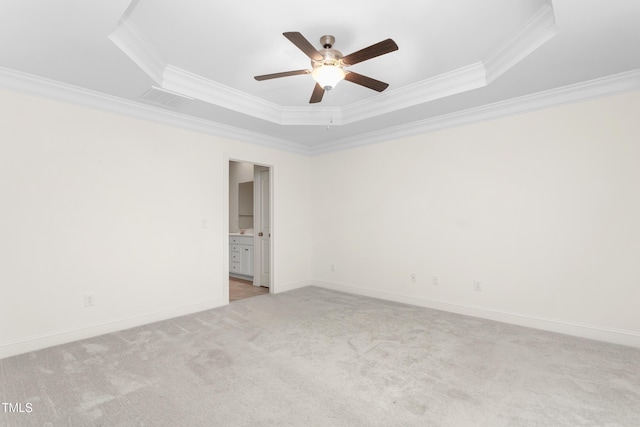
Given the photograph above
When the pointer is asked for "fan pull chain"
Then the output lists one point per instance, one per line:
(328, 98)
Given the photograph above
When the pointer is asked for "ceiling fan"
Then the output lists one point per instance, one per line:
(328, 65)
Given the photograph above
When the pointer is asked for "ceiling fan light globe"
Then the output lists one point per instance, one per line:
(328, 76)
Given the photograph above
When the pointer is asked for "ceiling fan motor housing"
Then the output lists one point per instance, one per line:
(330, 56)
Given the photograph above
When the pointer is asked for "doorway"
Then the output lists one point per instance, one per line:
(250, 229)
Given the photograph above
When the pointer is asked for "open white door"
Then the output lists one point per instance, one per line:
(262, 224)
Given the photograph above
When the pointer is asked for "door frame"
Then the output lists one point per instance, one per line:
(225, 218)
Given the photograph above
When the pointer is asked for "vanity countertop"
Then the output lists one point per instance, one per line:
(238, 234)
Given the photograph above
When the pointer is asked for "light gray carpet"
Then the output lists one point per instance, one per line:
(314, 357)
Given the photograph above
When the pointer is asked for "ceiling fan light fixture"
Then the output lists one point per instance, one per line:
(328, 76)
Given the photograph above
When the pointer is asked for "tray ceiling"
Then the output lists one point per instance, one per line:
(192, 63)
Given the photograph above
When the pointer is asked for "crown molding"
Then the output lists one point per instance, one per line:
(195, 86)
(597, 88)
(532, 34)
(443, 85)
(129, 40)
(46, 88)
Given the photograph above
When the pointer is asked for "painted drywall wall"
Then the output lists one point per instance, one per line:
(128, 211)
(238, 172)
(541, 208)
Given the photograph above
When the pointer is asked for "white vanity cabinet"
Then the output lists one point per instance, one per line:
(241, 256)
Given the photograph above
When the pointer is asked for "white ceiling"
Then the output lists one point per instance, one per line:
(458, 61)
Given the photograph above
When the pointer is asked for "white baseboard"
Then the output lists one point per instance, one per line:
(284, 287)
(62, 337)
(586, 331)
(598, 333)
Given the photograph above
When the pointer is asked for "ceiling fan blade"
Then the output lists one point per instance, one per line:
(385, 46)
(318, 93)
(284, 74)
(304, 45)
(366, 81)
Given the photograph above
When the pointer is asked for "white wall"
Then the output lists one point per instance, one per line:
(130, 211)
(542, 208)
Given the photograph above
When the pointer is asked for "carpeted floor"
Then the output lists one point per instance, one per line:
(315, 357)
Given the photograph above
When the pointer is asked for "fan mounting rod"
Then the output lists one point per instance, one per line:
(327, 41)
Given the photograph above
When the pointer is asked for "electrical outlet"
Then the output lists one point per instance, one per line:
(413, 277)
(436, 280)
(89, 300)
(333, 267)
(476, 286)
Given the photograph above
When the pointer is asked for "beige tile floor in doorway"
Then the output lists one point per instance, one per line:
(241, 289)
